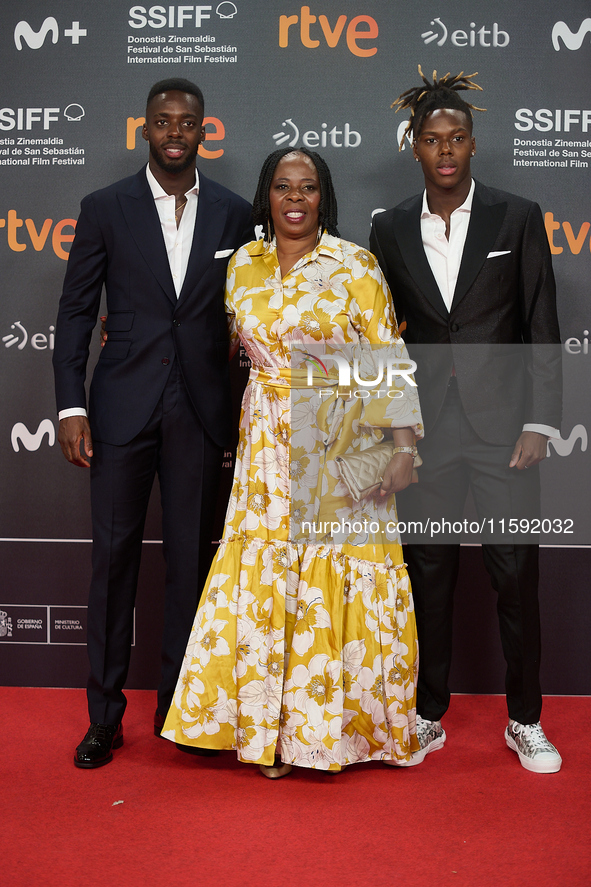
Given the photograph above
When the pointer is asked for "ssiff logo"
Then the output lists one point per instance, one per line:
(226, 9)
(26, 118)
(498, 38)
(5, 625)
(177, 16)
(335, 137)
(23, 32)
(572, 40)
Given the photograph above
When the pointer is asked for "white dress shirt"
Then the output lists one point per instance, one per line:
(178, 241)
(445, 256)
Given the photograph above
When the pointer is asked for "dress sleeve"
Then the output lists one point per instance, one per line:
(371, 309)
(395, 402)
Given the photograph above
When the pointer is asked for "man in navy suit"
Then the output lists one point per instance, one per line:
(471, 274)
(160, 242)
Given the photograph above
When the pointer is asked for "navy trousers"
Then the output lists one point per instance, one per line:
(174, 446)
(457, 460)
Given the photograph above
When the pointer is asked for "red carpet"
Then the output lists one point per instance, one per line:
(469, 816)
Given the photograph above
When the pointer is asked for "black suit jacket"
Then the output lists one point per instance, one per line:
(119, 243)
(501, 333)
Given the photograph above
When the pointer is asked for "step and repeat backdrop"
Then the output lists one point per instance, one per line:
(74, 79)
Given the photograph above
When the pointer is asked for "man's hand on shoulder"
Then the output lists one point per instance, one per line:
(530, 449)
(71, 431)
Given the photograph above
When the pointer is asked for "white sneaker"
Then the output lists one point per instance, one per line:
(535, 752)
(431, 736)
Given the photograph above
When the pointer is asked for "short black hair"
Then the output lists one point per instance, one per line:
(176, 84)
(327, 211)
(428, 97)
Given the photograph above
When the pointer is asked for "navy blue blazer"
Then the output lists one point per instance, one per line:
(119, 243)
(505, 297)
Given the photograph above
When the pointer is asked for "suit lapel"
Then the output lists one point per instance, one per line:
(486, 219)
(407, 225)
(143, 221)
(209, 226)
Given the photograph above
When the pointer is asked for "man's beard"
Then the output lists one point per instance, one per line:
(173, 166)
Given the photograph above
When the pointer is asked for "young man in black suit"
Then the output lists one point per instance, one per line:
(470, 267)
(160, 242)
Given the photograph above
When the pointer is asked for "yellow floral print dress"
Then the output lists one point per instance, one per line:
(304, 650)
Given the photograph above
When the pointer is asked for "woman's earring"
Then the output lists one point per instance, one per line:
(269, 238)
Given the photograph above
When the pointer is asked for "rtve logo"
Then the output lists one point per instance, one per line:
(216, 134)
(571, 40)
(37, 237)
(24, 33)
(575, 242)
(32, 441)
(290, 136)
(486, 36)
(361, 27)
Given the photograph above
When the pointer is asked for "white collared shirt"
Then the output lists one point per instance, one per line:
(178, 241)
(445, 257)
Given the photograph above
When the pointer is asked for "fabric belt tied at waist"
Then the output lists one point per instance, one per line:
(286, 378)
(331, 411)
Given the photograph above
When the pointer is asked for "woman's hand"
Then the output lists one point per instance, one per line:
(399, 471)
(398, 474)
(104, 333)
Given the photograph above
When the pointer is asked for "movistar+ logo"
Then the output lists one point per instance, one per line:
(24, 33)
(572, 40)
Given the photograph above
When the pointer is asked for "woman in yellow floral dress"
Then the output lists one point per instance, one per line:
(304, 648)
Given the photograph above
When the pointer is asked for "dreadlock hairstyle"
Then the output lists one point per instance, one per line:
(442, 93)
(261, 207)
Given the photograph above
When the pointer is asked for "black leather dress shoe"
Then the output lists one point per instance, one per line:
(96, 749)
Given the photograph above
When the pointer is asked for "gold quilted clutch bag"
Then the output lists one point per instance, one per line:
(362, 472)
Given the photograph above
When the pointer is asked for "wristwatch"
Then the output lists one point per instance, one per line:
(412, 451)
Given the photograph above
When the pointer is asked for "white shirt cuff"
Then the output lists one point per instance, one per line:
(71, 411)
(542, 429)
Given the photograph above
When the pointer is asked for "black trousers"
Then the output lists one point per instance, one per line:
(175, 446)
(457, 460)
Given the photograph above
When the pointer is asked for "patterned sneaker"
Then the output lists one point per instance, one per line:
(535, 752)
(431, 736)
